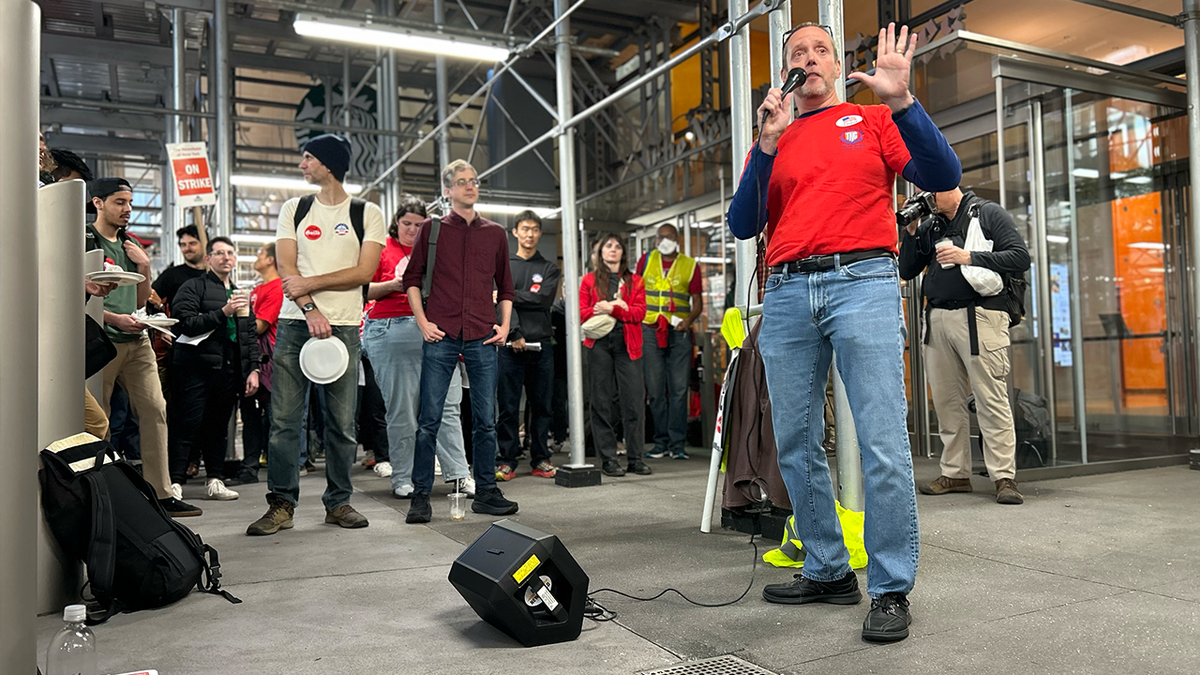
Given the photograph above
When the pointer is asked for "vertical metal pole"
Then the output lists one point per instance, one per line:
(849, 466)
(570, 238)
(741, 124)
(1045, 326)
(779, 22)
(439, 18)
(20, 45)
(347, 87)
(176, 126)
(722, 227)
(1001, 175)
(1076, 288)
(829, 13)
(224, 104)
(1191, 47)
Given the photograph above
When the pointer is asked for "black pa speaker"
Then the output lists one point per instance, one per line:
(523, 582)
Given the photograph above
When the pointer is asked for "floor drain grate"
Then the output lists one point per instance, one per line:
(720, 665)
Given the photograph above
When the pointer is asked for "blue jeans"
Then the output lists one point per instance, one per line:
(855, 311)
(394, 348)
(439, 363)
(289, 392)
(533, 372)
(666, 371)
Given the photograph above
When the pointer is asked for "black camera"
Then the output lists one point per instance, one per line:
(915, 208)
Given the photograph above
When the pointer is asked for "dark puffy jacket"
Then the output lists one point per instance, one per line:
(197, 304)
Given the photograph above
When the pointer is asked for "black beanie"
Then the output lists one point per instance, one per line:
(332, 151)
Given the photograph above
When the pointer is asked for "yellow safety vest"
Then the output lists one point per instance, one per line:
(662, 291)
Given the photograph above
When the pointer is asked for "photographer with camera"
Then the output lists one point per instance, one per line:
(826, 182)
(966, 330)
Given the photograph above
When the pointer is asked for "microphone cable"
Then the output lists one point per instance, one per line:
(599, 613)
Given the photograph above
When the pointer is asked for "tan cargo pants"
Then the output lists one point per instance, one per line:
(953, 374)
(137, 371)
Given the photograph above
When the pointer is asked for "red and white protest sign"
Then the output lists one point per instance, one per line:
(193, 182)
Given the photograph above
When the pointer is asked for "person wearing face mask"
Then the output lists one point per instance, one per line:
(966, 336)
(822, 186)
(674, 300)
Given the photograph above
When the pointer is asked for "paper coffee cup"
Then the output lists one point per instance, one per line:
(944, 242)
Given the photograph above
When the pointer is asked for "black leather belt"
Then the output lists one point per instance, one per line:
(824, 263)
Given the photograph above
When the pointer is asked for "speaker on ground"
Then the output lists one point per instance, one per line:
(523, 582)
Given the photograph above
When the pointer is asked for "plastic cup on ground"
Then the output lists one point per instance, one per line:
(458, 505)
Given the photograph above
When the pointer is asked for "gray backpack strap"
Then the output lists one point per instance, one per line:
(435, 226)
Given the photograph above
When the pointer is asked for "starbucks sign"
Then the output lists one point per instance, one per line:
(363, 115)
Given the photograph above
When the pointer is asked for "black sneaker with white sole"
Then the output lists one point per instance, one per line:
(888, 619)
(493, 503)
(802, 590)
(179, 509)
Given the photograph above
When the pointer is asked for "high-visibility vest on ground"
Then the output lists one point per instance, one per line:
(668, 294)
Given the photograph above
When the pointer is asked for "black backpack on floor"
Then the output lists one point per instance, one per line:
(103, 513)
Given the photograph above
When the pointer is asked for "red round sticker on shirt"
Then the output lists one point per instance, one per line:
(535, 288)
(312, 232)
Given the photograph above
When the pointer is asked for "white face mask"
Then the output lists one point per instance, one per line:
(668, 246)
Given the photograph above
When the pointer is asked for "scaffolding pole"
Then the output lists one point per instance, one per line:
(1191, 46)
(224, 110)
(570, 242)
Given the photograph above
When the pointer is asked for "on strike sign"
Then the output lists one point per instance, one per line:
(193, 182)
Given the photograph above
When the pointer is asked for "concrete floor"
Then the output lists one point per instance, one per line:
(1092, 575)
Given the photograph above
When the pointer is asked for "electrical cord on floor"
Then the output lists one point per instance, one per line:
(599, 613)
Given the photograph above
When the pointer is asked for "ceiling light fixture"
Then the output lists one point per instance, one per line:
(398, 37)
(511, 210)
(282, 183)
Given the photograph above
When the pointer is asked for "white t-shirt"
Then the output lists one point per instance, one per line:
(326, 244)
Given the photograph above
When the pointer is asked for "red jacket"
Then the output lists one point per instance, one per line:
(633, 294)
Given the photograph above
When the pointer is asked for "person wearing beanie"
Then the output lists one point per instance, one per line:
(326, 249)
(333, 152)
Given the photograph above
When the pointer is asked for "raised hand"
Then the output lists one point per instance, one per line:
(893, 64)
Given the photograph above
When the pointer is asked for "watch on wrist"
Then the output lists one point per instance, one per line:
(307, 307)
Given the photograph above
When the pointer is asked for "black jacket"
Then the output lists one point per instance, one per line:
(535, 287)
(197, 305)
(1008, 256)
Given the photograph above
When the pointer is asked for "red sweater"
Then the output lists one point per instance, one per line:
(633, 294)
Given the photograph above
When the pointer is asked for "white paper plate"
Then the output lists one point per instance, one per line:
(159, 321)
(118, 278)
(324, 360)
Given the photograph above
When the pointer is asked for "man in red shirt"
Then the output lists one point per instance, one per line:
(266, 300)
(393, 344)
(828, 178)
(460, 319)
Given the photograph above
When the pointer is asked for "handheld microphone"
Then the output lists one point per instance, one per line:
(795, 77)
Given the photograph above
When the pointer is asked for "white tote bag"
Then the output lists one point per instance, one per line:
(985, 282)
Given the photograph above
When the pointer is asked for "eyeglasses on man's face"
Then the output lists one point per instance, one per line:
(464, 182)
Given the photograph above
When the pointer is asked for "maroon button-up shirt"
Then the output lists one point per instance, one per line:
(472, 259)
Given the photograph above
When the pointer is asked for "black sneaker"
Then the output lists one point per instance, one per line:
(420, 511)
(611, 468)
(639, 467)
(802, 590)
(179, 509)
(888, 619)
(493, 503)
(244, 477)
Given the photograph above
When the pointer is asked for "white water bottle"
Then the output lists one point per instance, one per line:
(73, 649)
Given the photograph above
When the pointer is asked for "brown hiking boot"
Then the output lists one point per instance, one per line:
(346, 516)
(278, 517)
(945, 484)
(1007, 493)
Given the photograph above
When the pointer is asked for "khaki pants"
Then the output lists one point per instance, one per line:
(135, 368)
(95, 422)
(953, 373)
